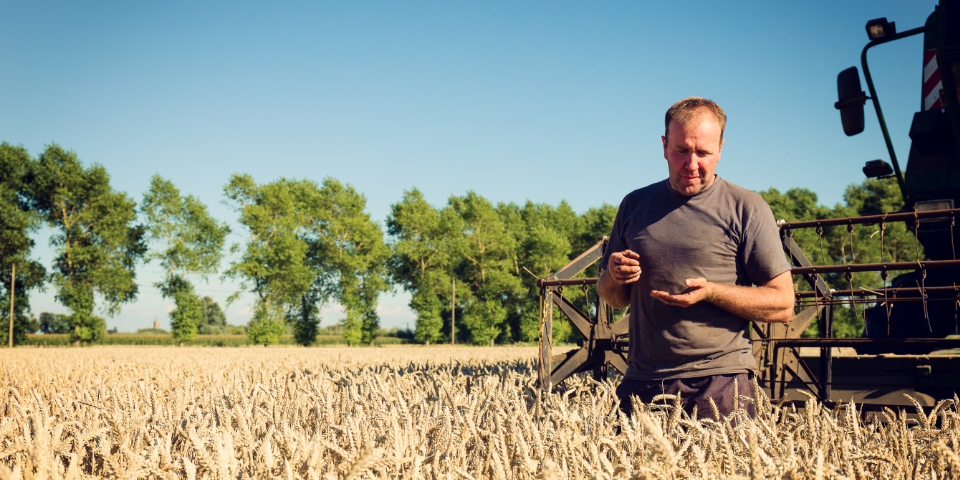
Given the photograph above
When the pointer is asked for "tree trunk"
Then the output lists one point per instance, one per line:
(181, 343)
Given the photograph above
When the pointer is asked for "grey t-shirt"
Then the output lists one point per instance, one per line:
(725, 234)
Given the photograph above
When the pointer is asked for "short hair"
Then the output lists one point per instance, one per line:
(690, 108)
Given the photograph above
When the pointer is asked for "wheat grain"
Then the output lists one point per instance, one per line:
(417, 413)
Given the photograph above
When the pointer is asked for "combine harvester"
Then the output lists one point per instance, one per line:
(909, 333)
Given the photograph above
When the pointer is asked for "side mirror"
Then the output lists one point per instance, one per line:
(877, 169)
(851, 99)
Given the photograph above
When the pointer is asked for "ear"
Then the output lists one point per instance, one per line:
(664, 139)
(722, 140)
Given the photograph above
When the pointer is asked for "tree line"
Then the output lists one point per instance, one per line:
(213, 321)
(838, 245)
(470, 265)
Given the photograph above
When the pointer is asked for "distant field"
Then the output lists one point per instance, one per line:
(411, 412)
(60, 340)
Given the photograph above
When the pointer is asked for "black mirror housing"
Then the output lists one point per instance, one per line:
(877, 169)
(851, 99)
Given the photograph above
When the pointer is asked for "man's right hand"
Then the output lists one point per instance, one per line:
(624, 267)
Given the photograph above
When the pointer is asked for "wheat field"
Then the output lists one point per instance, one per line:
(401, 412)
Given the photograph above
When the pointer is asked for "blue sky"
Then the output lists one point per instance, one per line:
(515, 100)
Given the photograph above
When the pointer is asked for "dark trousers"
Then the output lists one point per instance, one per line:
(693, 392)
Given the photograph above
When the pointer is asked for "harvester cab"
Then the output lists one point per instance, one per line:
(932, 177)
(931, 181)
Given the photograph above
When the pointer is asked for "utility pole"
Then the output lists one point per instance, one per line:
(13, 290)
(453, 313)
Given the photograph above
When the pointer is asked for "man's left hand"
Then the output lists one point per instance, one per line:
(697, 289)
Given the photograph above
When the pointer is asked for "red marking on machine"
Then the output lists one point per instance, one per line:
(932, 85)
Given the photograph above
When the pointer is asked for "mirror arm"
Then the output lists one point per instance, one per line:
(862, 99)
(876, 101)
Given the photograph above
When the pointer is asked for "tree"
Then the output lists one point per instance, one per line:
(425, 243)
(487, 268)
(486, 250)
(186, 316)
(191, 242)
(264, 329)
(306, 328)
(593, 225)
(799, 204)
(838, 245)
(17, 221)
(214, 321)
(97, 243)
(541, 234)
(34, 325)
(347, 255)
(54, 323)
(273, 264)
(863, 245)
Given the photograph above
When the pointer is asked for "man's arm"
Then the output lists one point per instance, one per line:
(614, 282)
(770, 302)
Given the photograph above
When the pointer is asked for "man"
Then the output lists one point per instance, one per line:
(684, 254)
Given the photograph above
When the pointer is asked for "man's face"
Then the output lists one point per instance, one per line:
(692, 152)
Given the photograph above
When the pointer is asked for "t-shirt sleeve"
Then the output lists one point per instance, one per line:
(763, 255)
(616, 242)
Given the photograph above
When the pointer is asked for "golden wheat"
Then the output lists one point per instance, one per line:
(438, 412)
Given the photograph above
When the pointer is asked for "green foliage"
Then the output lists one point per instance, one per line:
(191, 243)
(264, 329)
(164, 339)
(186, 316)
(429, 319)
(33, 326)
(192, 240)
(273, 263)
(799, 204)
(483, 320)
(543, 235)
(97, 243)
(422, 258)
(347, 254)
(21, 326)
(594, 224)
(152, 331)
(487, 268)
(214, 321)
(839, 245)
(309, 243)
(17, 221)
(84, 325)
(307, 325)
(54, 323)
(487, 251)
(352, 329)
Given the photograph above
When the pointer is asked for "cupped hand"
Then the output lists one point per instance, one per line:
(697, 290)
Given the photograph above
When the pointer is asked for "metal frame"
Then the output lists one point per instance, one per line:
(604, 340)
(775, 346)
